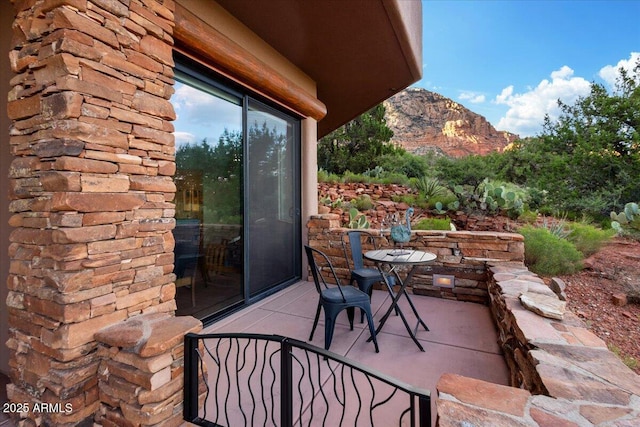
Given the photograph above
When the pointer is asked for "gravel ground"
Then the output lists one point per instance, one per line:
(614, 270)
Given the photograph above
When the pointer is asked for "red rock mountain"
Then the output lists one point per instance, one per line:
(424, 121)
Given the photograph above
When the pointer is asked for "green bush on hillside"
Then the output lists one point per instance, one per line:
(362, 203)
(587, 238)
(433, 224)
(324, 176)
(549, 255)
(415, 200)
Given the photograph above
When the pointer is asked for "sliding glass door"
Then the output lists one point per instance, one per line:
(273, 205)
(237, 234)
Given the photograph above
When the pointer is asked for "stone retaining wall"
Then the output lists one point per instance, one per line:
(335, 197)
(564, 374)
(561, 373)
(463, 254)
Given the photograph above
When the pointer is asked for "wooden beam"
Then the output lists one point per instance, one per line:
(205, 42)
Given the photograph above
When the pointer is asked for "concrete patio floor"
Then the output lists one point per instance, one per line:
(462, 338)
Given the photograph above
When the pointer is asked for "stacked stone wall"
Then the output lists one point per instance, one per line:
(561, 373)
(91, 191)
(387, 199)
(462, 254)
(141, 376)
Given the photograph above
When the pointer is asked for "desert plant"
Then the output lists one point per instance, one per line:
(430, 187)
(587, 238)
(503, 197)
(357, 220)
(362, 203)
(376, 172)
(440, 208)
(326, 201)
(324, 176)
(433, 224)
(627, 222)
(558, 227)
(547, 254)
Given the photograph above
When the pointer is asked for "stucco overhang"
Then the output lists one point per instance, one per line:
(359, 52)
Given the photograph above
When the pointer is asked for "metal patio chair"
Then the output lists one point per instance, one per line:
(335, 298)
(365, 277)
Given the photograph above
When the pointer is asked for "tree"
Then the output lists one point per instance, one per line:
(589, 159)
(216, 171)
(356, 145)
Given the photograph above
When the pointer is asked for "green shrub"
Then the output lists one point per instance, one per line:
(324, 176)
(547, 254)
(350, 177)
(362, 203)
(433, 224)
(406, 164)
(587, 238)
(414, 200)
(394, 178)
(528, 216)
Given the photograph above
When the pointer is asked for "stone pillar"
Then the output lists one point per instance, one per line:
(91, 191)
(141, 373)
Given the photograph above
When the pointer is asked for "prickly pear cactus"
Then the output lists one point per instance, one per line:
(357, 220)
(627, 222)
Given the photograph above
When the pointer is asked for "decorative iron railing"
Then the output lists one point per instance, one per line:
(270, 380)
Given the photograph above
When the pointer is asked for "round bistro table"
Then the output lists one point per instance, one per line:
(395, 258)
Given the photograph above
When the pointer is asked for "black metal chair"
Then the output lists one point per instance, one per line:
(188, 236)
(365, 277)
(334, 299)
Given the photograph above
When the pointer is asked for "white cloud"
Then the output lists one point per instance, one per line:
(504, 95)
(472, 97)
(198, 107)
(563, 73)
(201, 115)
(527, 110)
(610, 73)
(184, 138)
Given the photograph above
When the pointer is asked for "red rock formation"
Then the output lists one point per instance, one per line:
(424, 121)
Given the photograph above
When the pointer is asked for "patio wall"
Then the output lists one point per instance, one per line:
(561, 373)
(463, 254)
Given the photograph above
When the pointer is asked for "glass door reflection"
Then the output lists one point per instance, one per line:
(209, 205)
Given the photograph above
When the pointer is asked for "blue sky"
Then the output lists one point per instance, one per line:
(511, 60)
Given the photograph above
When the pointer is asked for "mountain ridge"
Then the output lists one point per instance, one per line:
(423, 121)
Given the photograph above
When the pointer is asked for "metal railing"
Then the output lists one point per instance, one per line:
(270, 380)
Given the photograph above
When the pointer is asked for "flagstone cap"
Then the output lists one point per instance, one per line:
(149, 334)
(544, 305)
(562, 373)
